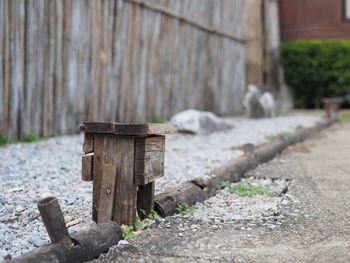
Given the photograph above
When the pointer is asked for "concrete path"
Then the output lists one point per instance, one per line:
(317, 229)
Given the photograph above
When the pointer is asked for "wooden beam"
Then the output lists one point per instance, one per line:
(87, 167)
(145, 199)
(105, 210)
(124, 211)
(127, 128)
(149, 159)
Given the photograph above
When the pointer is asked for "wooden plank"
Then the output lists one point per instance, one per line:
(88, 145)
(145, 199)
(97, 127)
(97, 173)
(149, 159)
(127, 128)
(87, 164)
(105, 210)
(125, 188)
(59, 123)
(2, 27)
(6, 65)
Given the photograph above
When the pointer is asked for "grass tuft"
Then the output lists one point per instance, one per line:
(344, 116)
(28, 138)
(244, 188)
(271, 137)
(128, 231)
(31, 137)
(184, 209)
(158, 119)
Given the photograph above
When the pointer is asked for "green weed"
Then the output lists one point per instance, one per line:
(244, 188)
(5, 141)
(128, 231)
(151, 215)
(184, 209)
(271, 137)
(138, 224)
(31, 137)
(28, 138)
(344, 116)
(158, 119)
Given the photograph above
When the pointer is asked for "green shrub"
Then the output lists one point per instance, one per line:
(3, 139)
(315, 69)
(31, 137)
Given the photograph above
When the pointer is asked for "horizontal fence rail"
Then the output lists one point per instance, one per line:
(65, 61)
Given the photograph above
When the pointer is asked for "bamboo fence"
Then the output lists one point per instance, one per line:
(65, 61)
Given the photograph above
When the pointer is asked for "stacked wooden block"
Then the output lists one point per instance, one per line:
(331, 106)
(123, 161)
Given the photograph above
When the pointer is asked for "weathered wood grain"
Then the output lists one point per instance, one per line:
(88, 145)
(127, 128)
(97, 173)
(145, 199)
(93, 241)
(149, 159)
(107, 193)
(52, 216)
(118, 60)
(125, 188)
(87, 163)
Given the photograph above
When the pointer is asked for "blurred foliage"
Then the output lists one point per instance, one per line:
(28, 138)
(315, 69)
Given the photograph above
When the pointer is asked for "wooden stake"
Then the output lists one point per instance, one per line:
(145, 199)
(54, 222)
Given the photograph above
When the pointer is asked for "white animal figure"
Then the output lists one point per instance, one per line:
(259, 102)
(199, 122)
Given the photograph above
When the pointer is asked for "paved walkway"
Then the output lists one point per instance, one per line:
(318, 231)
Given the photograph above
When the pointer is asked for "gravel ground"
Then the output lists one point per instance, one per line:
(226, 209)
(29, 171)
(227, 206)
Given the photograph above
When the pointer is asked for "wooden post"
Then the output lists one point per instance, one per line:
(54, 222)
(145, 199)
(123, 161)
(331, 106)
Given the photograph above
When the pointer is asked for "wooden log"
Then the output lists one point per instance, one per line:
(149, 159)
(187, 192)
(87, 167)
(249, 149)
(268, 151)
(54, 222)
(233, 171)
(88, 244)
(145, 199)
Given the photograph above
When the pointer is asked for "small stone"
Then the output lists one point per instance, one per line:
(180, 235)
(20, 209)
(123, 242)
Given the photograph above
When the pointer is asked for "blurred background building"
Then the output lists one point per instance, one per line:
(310, 19)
